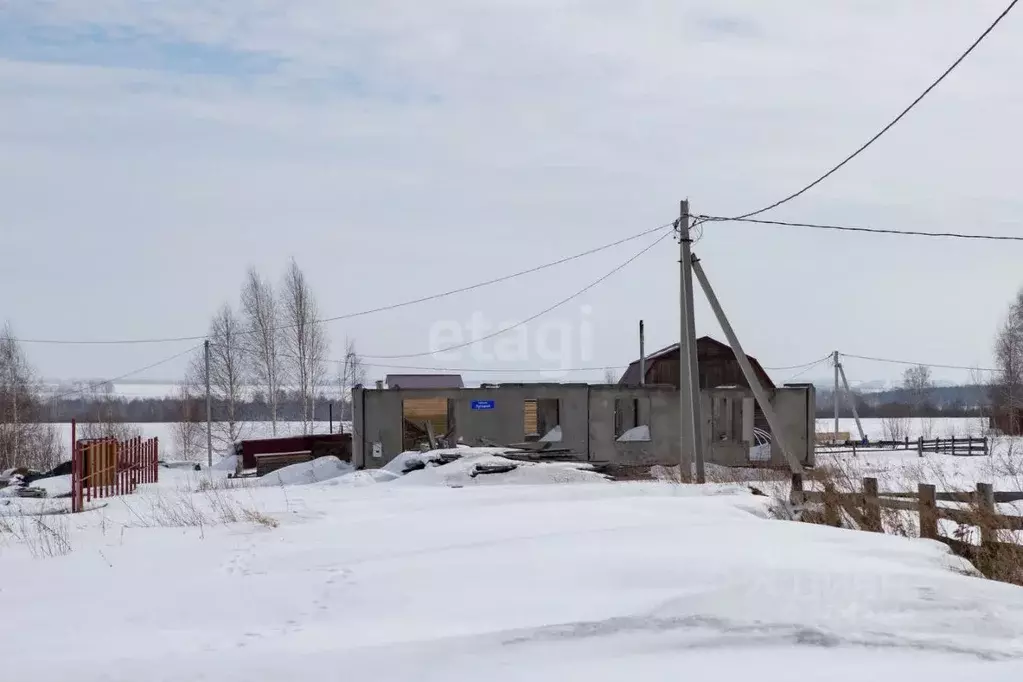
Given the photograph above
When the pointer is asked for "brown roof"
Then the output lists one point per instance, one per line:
(424, 381)
(631, 375)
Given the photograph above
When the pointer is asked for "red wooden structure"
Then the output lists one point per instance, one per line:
(105, 467)
(300, 448)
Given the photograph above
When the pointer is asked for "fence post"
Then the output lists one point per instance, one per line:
(76, 478)
(953, 446)
(156, 460)
(90, 461)
(796, 497)
(986, 452)
(122, 446)
(907, 442)
(928, 504)
(986, 503)
(832, 509)
(919, 446)
(871, 505)
(854, 448)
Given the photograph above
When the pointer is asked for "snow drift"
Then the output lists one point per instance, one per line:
(320, 469)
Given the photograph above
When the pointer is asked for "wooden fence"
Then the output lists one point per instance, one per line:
(106, 467)
(959, 447)
(865, 509)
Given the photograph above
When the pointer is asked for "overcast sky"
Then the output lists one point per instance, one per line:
(152, 151)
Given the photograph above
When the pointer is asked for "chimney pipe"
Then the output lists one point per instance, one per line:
(380, 385)
(642, 356)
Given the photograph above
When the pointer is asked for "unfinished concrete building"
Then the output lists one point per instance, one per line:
(615, 424)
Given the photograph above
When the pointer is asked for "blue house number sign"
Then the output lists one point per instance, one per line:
(482, 404)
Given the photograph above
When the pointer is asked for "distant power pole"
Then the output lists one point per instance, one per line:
(834, 359)
(209, 407)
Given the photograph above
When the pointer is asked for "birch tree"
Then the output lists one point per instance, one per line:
(228, 360)
(261, 317)
(1007, 385)
(304, 340)
(351, 373)
(24, 439)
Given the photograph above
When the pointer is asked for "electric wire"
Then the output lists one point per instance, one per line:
(915, 362)
(807, 369)
(529, 319)
(870, 230)
(805, 364)
(94, 385)
(370, 311)
(892, 123)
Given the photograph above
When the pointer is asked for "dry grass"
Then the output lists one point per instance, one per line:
(45, 536)
(258, 517)
(208, 483)
(1001, 560)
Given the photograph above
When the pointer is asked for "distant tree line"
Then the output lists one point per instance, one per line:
(290, 408)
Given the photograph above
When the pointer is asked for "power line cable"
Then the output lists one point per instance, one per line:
(892, 123)
(370, 311)
(477, 370)
(915, 362)
(531, 317)
(807, 369)
(95, 385)
(870, 230)
(805, 364)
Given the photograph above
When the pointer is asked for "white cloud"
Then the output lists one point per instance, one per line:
(495, 135)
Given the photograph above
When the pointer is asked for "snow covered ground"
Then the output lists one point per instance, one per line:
(434, 575)
(915, 427)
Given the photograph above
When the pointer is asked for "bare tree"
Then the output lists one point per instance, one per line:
(352, 373)
(189, 432)
(261, 313)
(105, 418)
(304, 340)
(917, 382)
(610, 376)
(228, 340)
(24, 439)
(1007, 385)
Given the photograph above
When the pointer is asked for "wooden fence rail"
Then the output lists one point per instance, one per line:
(865, 507)
(107, 467)
(959, 447)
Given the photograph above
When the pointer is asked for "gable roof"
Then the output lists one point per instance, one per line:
(424, 381)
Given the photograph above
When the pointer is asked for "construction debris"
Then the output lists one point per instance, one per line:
(495, 468)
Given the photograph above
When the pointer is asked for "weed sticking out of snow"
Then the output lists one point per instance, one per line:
(44, 535)
(258, 517)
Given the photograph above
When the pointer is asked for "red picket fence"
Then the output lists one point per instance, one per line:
(105, 467)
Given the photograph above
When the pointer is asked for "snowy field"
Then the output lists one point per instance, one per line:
(874, 428)
(548, 572)
(170, 447)
(914, 427)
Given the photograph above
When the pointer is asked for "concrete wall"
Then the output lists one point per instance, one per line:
(658, 409)
(378, 416)
(586, 418)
